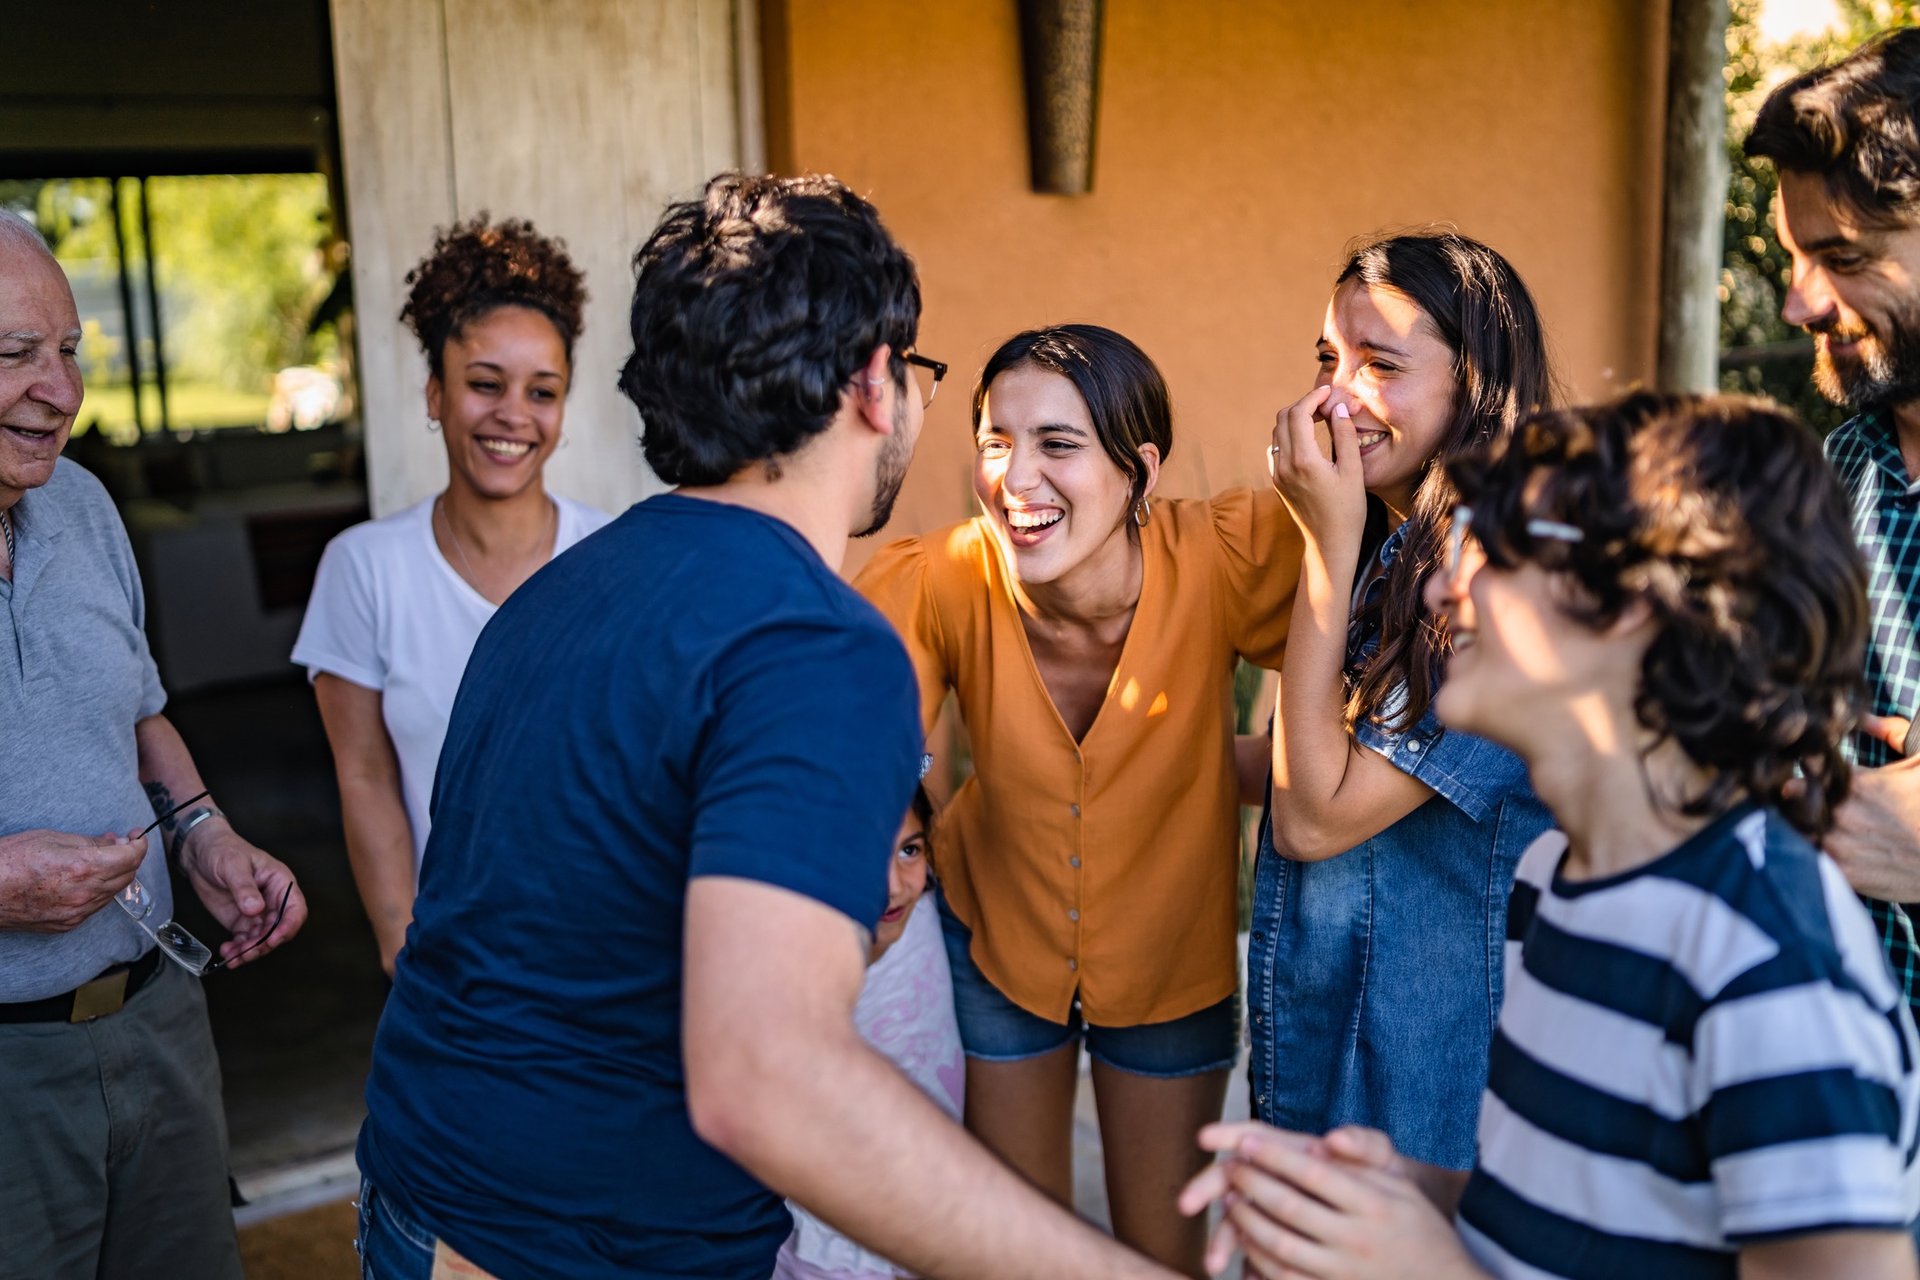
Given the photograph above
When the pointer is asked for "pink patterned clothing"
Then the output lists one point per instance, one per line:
(905, 1012)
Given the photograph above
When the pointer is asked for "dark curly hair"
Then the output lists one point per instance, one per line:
(1482, 310)
(1855, 123)
(1125, 395)
(752, 308)
(1720, 514)
(478, 266)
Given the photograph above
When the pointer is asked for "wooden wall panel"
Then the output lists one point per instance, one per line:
(391, 69)
(587, 118)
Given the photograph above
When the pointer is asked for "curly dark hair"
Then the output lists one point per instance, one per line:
(1721, 515)
(752, 308)
(478, 266)
(1856, 124)
(1483, 311)
(1124, 392)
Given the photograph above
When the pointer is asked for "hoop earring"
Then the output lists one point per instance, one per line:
(1142, 512)
(433, 426)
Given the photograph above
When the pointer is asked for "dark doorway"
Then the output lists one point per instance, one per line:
(182, 159)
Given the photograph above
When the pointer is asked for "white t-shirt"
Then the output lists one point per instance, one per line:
(905, 1012)
(390, 614)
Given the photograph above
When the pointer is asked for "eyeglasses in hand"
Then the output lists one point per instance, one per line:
(173, 940)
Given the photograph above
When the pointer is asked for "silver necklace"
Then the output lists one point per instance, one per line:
(439, 505)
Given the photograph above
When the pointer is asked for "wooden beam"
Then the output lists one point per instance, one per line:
(1696, 194)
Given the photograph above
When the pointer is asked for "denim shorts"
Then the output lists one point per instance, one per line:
(995, 1029)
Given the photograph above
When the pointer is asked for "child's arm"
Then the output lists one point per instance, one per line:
(1329, 793)
(1370, 1148)
(1858, 1255)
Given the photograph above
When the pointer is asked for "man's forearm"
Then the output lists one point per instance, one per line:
(1876, 832)
(167, 772)
(855, 1142)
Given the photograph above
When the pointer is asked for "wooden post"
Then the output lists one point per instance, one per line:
(587, 124)
(1696, 194)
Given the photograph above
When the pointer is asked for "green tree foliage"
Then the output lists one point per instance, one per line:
(1753, 279)
(243, 261)
(239, 258)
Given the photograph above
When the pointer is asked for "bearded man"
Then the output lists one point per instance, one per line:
(1845, 139)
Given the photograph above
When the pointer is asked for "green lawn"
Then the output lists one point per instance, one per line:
(190, 406)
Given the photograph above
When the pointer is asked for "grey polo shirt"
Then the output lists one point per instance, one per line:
(75, 675)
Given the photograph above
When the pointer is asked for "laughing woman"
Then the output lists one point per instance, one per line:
(398, 602)
(1379, 905)
(1088, 868)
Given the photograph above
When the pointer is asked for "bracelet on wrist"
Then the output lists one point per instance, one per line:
(189, 822)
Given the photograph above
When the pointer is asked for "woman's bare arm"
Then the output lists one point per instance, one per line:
(379, 836)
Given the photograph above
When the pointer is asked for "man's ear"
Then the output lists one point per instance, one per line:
(870, 390)
(1150, 461)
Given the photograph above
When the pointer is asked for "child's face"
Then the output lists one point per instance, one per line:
(1524, 671)
(906, 881)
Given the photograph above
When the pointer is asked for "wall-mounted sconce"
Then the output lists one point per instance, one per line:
(1060, 53)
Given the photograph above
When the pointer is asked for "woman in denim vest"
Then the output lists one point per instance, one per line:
(1379, 896)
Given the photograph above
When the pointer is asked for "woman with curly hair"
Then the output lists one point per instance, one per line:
(1703, 1066)
(398, 602)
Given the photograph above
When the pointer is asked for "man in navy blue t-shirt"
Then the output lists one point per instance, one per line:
(662, 824)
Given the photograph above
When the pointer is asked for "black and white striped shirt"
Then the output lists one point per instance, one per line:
(1704, 1052)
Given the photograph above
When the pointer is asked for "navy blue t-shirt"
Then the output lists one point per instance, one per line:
(688, 692)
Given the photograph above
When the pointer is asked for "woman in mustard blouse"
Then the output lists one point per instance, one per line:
(1089, 866)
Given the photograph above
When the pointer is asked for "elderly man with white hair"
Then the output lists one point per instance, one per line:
(113, 1147)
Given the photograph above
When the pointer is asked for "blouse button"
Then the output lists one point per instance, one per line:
(1074, 862)
(1074, 916)
(1073, 964)
(1414, 744)
(1076, 810)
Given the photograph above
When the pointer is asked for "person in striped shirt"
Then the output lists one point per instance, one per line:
(1703, 1067)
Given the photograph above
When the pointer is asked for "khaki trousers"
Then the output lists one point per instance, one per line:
(113, 1144)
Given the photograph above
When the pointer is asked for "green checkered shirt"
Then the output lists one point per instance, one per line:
(1865, 453)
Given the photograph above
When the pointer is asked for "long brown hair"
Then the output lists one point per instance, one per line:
(1481, 309)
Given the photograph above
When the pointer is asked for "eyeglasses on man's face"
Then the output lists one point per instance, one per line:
(1457, 535)
(926, 375)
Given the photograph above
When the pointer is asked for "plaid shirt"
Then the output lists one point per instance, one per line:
(1865, 453)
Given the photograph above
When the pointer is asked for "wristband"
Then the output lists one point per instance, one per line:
(194, 819)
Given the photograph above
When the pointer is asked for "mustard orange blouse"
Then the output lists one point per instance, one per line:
(1107, 866)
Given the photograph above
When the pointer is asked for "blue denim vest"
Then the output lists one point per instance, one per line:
(1374, 977)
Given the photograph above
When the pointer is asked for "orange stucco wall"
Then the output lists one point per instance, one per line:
(1241, 144)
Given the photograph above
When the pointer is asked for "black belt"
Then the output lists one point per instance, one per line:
(104, 995)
